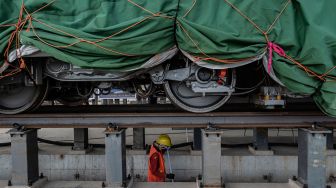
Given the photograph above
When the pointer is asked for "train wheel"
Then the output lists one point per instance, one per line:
(42, 96)
(181, 94)
(18, 98)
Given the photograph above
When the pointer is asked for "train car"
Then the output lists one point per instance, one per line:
(198, 53)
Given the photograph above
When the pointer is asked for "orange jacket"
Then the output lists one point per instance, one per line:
(156, 166)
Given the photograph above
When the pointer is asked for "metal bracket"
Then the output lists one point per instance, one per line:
(36, 75)
(210, 87)
(112, 127)
(211, 127)
(159, 74)
(18, 127)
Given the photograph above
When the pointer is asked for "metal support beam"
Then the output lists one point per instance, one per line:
(260, 139)
(81, 139)
(330, 139)
(139, 138)
(24, 152)
(236, 120)
(115, 158)
(197, 139)
(211, 158)
(312, 157)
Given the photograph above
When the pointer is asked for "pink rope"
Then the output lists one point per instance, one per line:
(277, 49)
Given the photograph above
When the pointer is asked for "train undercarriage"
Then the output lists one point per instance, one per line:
(191, 87)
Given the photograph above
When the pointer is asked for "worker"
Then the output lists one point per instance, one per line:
(156, 162)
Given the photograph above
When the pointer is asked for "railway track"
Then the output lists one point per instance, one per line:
(230, 120)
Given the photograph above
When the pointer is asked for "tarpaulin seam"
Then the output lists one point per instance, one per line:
(175, 24)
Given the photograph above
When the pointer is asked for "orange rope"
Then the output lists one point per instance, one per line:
(158, 14)
(306, 69)
(7, 25)
(192, 6)
(43, 7)
(15, 36)
(29, 18)
(207, 57)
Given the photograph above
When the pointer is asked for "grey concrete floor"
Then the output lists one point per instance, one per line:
(97, 184)
(3, 184)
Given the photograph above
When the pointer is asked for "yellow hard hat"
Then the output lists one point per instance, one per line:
(164, 140)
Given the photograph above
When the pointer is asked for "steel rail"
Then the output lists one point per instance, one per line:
(228, 120)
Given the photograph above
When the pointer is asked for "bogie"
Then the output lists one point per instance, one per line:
(187, 85)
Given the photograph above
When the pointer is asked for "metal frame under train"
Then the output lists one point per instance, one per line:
(192, 87)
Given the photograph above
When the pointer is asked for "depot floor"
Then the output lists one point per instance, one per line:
(96, 136)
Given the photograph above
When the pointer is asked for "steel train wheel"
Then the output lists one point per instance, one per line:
(42, 96)
(182, 96)
(18, 98)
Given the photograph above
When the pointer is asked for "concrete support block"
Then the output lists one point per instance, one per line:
(330, 143)
(81, 141)
(330, 139)
(139, 138)
(24, 152)
(211, 158)
(260, 142)
(312, 157)
(197, 144)
(115, 158)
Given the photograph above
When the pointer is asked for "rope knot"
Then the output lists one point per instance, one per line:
(277, 49)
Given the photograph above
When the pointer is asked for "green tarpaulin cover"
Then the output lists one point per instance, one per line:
(123, 34)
